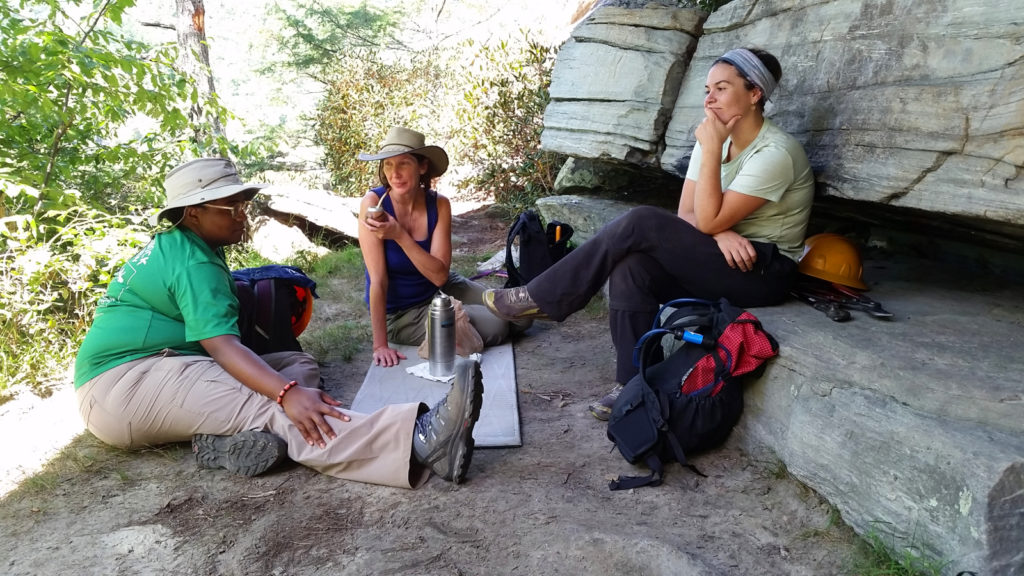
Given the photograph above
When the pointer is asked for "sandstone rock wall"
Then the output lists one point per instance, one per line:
(615, 83)
(904, 103)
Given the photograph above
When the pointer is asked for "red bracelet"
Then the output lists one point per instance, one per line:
(287, 387)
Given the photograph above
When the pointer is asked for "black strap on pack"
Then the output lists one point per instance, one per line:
(268, 305)
(643, 354)
(515, 278)
(539, 247)
(652, 460)
(692, 321)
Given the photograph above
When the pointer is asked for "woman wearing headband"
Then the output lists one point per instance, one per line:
(407, 249)
(737, 233)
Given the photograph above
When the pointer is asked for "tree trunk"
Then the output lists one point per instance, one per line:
(194, 62)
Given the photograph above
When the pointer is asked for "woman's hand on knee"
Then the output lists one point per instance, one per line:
(308, 409)
(738, 251)
(387, 356)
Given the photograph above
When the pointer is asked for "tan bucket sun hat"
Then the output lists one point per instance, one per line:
(405, 141)
(202, 180)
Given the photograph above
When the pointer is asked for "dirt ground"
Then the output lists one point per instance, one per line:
(543, 508)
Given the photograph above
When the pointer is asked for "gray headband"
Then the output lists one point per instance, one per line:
(750, 67)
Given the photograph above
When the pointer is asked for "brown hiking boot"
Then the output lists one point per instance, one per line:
(602, 409)
(512, 304)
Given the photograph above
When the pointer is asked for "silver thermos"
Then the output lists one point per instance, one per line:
(441, 336)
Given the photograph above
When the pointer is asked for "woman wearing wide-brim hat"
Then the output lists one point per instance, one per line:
(164, 362)
(407, 249)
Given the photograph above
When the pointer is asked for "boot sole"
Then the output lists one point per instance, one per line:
(248, 453)
(461, 448)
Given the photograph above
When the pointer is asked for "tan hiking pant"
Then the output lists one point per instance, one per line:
(169, 398)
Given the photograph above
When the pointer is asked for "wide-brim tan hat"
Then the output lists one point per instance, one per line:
(405, 141)
(202, 180)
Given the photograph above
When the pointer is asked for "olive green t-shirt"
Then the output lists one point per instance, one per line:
(774, 167)
(174, 293)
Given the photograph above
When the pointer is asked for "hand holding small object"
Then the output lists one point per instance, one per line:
(377, 212)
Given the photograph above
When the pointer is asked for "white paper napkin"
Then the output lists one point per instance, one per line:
(422, 370)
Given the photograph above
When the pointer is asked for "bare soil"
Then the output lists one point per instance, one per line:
(543, 508)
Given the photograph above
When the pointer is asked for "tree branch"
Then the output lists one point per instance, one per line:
(158, 25)
(64, 125)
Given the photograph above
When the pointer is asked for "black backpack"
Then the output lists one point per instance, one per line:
(275, 303)
(690, 400)
(539, 247)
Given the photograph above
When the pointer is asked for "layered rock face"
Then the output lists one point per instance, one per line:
(904, 103)
(615, 83)
(913, 425)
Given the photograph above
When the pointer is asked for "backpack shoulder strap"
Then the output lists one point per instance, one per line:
(686, 312)
(265, 307)
(650, 456)
(514, 277)
(246, 295)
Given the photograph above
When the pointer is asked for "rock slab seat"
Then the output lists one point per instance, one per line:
(912, 427)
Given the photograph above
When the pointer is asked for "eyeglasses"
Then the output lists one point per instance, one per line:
(237, 210)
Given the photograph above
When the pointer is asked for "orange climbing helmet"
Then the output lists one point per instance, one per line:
(833, 258)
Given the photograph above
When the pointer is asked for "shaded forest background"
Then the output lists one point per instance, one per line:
(99, 99)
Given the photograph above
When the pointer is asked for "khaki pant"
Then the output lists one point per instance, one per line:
(169, 398)
(409, 326)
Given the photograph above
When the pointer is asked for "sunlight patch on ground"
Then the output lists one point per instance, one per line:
(32, 431)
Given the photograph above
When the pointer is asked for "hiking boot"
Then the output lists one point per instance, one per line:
(602, 409)
(443, 437)
(248, 453)
(512, 304)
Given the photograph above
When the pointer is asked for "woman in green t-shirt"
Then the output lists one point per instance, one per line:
(163, 362)
(737, 233)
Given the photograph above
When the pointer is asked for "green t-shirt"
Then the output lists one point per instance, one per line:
(773, 167)
(174, 293)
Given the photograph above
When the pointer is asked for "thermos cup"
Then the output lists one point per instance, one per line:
(441, 336)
